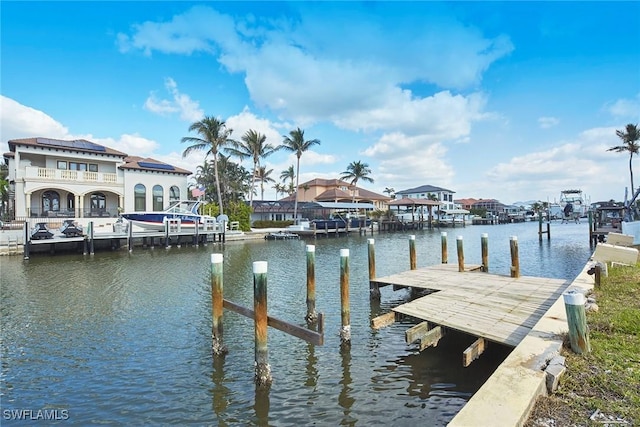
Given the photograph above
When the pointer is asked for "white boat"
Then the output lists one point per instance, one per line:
(184, 212)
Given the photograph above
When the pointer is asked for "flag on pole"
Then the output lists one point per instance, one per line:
(198, 191)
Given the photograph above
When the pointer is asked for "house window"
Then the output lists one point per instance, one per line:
(77, 166)
(93, 167)
(158, 198)
(71, 202)
(98, 203)
(62, 165)
(50, 201)
(139, 198)
(174, 194)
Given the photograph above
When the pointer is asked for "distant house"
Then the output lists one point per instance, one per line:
(428, 191)
(82, 179)
(465, 203)
(492, 206)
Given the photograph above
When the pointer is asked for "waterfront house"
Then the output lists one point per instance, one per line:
(82, 179)
(430, 192)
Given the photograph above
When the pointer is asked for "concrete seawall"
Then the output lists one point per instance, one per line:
(507, 397)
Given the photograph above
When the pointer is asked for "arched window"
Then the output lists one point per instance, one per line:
(140, 198)
(174, 194)
(71, 202)
(158, 198)
(50, 201)
(98, 204)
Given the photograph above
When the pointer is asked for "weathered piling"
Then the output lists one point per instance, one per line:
(577, 320)
(374, 290)
(345, 314)
(27, 241)
(130, 238)
(484, 244)
(263, 370)
(515, 260)
(217, 304)
(412, 252)
(312, 316)
(460, 248)
(443, 240)
(91, 242)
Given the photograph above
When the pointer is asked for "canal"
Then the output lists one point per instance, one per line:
(125, 338)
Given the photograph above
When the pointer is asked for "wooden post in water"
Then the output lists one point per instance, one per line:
(374, 290)
(443, 238)
(412, 252)
(312, 316)
(345, 314)
(515, 260)
(460, 253)
(484, 243)
(577, 320)
(130, 237)
(217, 304)
(27, 241)
(166, 234)
(263, 370)
(91, 246)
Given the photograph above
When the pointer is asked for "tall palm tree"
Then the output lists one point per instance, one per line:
(253, 144)
(279, 189)
(288, 174)
(262, 174)
(296, 143)
(214, 136)
(630, 137)
(390, 191)
(355, 172)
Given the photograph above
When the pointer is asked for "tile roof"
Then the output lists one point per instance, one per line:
(79, 145)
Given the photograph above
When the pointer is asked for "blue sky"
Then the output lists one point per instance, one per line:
(507, 100)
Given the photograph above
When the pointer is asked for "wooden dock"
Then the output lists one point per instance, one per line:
(498, 308)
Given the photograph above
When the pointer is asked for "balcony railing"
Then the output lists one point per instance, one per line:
(50, 174)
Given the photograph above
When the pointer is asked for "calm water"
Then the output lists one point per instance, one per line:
(122, 338)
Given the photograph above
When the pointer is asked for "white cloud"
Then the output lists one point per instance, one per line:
(626, 108)
(548, 122)
(20, 121)
(188, 109)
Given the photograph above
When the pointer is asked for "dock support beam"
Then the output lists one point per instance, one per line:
(473, 351)
(345, 314)
(428, 337)
(484, 243)
(217, 304)
(383, 320)
(263, 370)
(312, 316)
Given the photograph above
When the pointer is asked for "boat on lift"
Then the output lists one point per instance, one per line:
(187, 211)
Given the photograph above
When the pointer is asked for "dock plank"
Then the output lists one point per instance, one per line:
(498, 308)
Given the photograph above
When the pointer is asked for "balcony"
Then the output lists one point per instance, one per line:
(33, 173)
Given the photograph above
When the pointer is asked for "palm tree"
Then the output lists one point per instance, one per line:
(630, 137)
(279, 189)
(357, 171)
(296, 144)
(262, 174)
(288, 174)
(390, 191)
(214, 135)
(253, 145)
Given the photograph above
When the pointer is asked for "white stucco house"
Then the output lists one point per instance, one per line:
(425, 191)
(82, 179)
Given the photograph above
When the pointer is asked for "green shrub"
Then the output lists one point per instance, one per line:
(272, 224)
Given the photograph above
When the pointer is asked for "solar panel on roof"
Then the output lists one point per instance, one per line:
(78, 144)
(161, 166)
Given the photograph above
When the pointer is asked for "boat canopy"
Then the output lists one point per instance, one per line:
(455, 211)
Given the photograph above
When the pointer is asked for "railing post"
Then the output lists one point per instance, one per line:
(263, 370)
(312, 316)
(412, 252)
(217, 303)
(460, 253)
(484, 243)
(345, 314)
(443, 239)
(515, 261)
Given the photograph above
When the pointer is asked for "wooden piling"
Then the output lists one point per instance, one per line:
(374, 290)
(460, 253)
(598, 275)
(577, 320)
(130, 238)
(412, 252)
(484, 243)
(345, 314)
(515, 260)
(166, 234)
(443, 239)
(312, 316)
(27, 241)
(217, 304)
(91, 242)
(263, 370)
